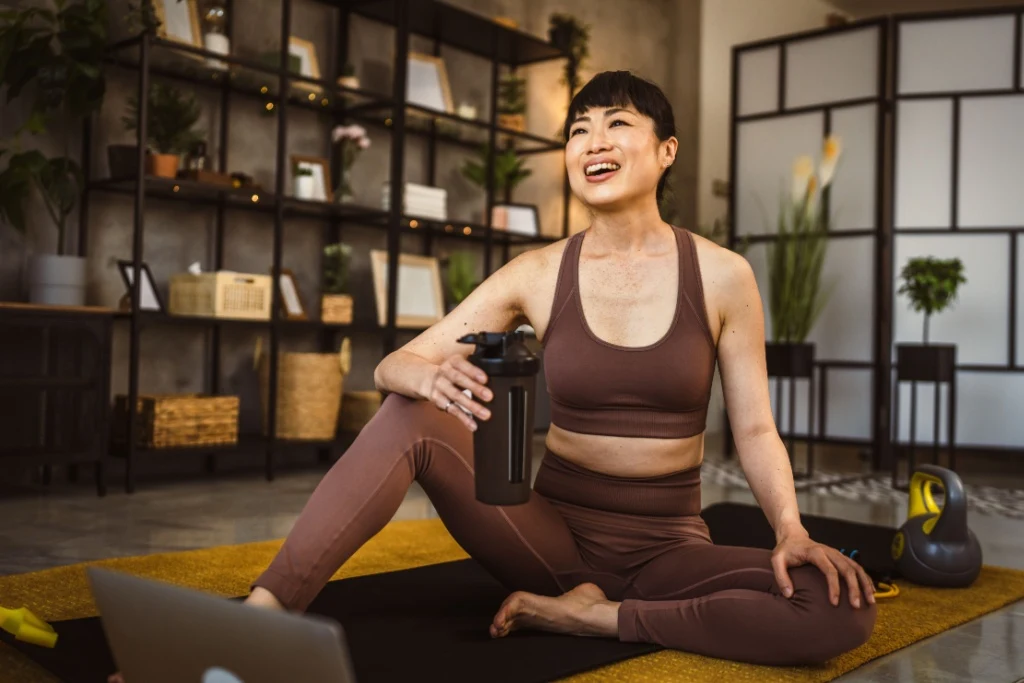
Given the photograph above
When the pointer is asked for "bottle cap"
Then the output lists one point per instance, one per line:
(502, 353)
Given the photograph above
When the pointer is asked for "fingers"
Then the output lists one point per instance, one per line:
(820, 559)
(782, 574)
(464, 374)
(849, 571)
(866, 582)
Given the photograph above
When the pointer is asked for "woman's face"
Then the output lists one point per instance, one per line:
(614, 157)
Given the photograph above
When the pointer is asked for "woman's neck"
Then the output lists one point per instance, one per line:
(632, 229)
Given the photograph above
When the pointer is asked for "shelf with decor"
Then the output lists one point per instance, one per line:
(165, 69)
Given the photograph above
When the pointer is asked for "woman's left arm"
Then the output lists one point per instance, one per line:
(762, 454)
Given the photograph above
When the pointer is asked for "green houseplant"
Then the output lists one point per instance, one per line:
(461, 277)
(509, 171)
(512, 103)
(931, 284)
(171, 115)
(569, 35)
(336, 300)
(796, 258)
(51, 56)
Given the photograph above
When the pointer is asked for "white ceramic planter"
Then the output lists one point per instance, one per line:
(57, 280)
(305, 187)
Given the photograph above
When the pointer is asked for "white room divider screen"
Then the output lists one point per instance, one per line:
(947, 180)
(788, 95)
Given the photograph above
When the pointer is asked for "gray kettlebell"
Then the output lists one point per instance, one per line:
(934, 547)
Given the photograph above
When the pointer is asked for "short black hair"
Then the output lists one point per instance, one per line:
(622, 89)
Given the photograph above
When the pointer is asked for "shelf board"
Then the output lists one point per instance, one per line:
(147, 318)
(473, 232)
(462, 30)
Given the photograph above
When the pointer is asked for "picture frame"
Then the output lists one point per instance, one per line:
(309, 66)
(427, 85)
(420, 300)
(322, 188)
(519, 219)
(148, 292)
(179, 21)
(292, 305)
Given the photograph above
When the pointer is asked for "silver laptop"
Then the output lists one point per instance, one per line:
(161, 633)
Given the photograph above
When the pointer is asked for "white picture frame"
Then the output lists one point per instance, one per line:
(291, 301)
(520, 219)
(420, 300)
(179, 21)
(148, 294)
(426, 83)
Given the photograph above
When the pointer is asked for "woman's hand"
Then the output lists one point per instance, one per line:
(454, 376)
(797, 548)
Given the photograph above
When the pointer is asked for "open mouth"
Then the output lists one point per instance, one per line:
(601, 169)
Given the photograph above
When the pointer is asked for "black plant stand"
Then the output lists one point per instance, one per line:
(793, 361)
(931, 363)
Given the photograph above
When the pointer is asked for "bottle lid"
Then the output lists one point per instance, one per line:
(502, 353)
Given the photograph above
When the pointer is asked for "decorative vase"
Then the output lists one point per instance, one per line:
(219, 44)
(305, 187)
(57, 280)
(789, 359)
(925, 362)
(336, 309)
(163, 165)
(343, 193)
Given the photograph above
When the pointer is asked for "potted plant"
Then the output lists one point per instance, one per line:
(573, 38)
(305, 187)
(932, 285)
(509, 171)
(169, 121)
(336, 301)
(795, 259)
(461, 277)
(52, 57)
(351, 141)
(512, 103)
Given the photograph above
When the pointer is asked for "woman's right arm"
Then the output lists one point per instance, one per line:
(434, 365)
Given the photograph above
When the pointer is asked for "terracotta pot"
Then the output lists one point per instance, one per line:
(163, 165)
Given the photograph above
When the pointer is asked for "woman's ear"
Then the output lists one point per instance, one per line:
(667, 151)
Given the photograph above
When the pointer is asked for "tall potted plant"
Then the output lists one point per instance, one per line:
(932, 285)
(53, 58)
(171, 115)
(796, 257)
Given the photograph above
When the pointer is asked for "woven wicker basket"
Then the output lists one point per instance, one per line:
(358, 408)
(177, 420)
(336, 309)
(309, 390)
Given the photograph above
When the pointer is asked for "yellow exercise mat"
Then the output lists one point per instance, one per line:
(63, 593)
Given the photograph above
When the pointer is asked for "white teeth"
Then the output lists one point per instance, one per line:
(606, 166)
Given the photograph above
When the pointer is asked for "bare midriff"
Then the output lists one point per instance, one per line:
(621, 456)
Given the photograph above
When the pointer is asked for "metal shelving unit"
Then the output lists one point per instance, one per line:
(150, 56)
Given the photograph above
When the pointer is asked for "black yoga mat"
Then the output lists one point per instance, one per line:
(416, 623)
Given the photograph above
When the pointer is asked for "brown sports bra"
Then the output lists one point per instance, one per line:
(660, 390)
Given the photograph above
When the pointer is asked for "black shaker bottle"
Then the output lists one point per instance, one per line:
(503, 444)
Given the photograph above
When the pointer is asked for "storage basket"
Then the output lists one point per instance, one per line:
(221, 295)
(358, 408)
(176, 420)
(309, 390)
(336, 309)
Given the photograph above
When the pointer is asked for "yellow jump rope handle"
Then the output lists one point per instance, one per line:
(27, 627)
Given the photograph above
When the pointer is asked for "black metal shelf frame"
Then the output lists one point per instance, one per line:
(446, 25)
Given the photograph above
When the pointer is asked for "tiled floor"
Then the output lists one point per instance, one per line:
(62, 526)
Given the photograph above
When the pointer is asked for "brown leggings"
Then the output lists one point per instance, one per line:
(642, 541)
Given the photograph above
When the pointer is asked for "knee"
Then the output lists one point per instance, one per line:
(409, 420)
(832, 629)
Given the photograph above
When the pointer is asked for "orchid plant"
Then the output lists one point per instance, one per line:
(796, 258)
(350, 141)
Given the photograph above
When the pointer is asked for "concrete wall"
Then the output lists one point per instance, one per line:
(656, 38)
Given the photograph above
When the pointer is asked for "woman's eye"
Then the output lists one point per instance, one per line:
(577, 130)
(618, 122)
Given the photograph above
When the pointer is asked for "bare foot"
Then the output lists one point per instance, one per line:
(583, 611)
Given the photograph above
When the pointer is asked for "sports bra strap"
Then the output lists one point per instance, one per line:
(566, 281)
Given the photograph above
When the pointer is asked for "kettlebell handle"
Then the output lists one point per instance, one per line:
(951, 523)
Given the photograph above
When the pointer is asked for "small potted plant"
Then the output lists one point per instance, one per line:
(512, 103)
(461, 280)
(932, 285)
(350, 141)
(796, 258)
(573, 38)
(509, 171)
(171, 116)
(305, 187)
(336, 301)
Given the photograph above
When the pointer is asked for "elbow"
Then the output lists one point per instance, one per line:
(755, 434)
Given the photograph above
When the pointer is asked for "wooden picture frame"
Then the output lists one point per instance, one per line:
(292, 305)
(321, 167)
(420, 300)
(427, 84)
(148, 292)
(518, 219)
(179, 21)
(309, 65)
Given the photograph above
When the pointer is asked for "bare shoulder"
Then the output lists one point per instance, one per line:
(727, 277)
(537, 276)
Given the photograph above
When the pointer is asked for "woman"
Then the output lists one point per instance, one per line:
(633, 314)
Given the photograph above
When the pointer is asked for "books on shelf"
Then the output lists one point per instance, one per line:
(419, 200)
